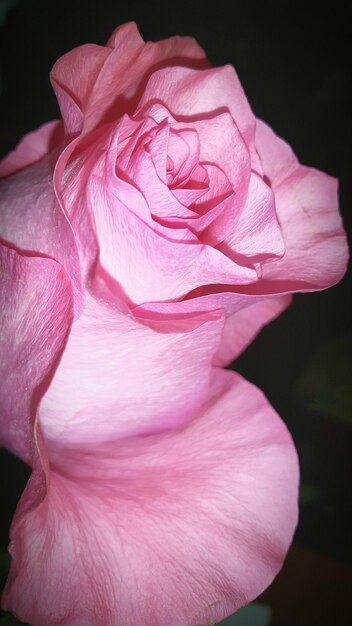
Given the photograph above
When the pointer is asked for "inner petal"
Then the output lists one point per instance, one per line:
(184, 151)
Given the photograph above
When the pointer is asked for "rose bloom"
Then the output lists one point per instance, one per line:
(146, 239)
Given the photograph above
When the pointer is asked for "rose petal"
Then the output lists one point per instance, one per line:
(148, 266)
(92, 82)
(163, 530)
(35, 297)
(142, 173)
(278, 158)
(199, 94)
(32, 148)
(127, 377)
(306, 204)
(32, 221)
(256, 236)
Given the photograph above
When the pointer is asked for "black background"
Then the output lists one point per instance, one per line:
(292, 59)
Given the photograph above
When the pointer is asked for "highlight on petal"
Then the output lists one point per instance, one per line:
(167, 530)
(32, 220)
(92, 83)
(32, 148)
(35, 317)
(120, 376)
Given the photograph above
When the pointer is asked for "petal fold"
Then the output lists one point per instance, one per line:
(35, 299)
(32, 220)
(173, 529)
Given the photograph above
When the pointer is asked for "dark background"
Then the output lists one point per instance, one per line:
(292, 59)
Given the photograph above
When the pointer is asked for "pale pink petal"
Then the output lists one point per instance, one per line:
(120, 376)
(221, 144)
(142, 173)
(241, 328)
(32, 148)
(307, 208)
(148, 266)
(32, 220)
(92, 83)
(35, 298)
(278, 158)
(184, 160)
(175, 529)
(316, 248)
(256, 236)
(204, 300)
(193, 94)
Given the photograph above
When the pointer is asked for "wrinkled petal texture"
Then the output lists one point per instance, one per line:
(175, 529)
(306, 203)
(92, 83)
(35, 317)
(32, 220)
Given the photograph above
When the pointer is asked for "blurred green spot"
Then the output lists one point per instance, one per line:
(4, 564)
(253, 614)
(9, 620)
(309, 492)
(325, 386)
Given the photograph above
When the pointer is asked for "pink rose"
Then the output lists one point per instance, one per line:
(146, 240)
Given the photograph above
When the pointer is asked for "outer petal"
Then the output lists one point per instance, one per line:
(175, 529)
(32, 148)
(306, 203)
(35, 316)
(92, 83)
(120, 377)
(32, 220)
(276, 155)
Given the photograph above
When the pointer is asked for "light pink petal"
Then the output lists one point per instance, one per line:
(186, 160)
(157, 147)
(148, 266)
(278, 158)
(92, 83)
(210, 203)
(204, 300)
(222, 145)
(142, 173)
(32, 148)
(256, 236)
(242, 327)
(175, 529)
(35, 317)
(120, 376)
(193, 94)
(32, 220)
(190, 194)
(307, 208)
